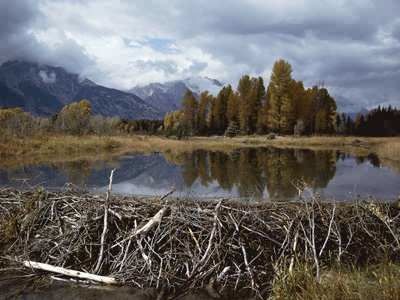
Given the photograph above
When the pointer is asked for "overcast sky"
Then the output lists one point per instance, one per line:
(352, 46)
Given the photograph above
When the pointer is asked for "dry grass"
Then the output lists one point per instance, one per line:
(389, 150)
(56, 148)
(373, 282)
(53, 148)
(386, 147)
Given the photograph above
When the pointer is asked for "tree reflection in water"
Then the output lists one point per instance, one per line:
(256, 171)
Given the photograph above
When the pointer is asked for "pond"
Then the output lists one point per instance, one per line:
(250, 173)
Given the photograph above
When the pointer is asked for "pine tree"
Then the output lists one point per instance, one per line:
(203, 112)
(263, 114)
(326, 106)
(232, 110)
(220, 121)
(244, 90)
(288, 117)
(321, 124)
(302, 105)
(281, 108)
(359, 124)
(257, 95)
(190, 110)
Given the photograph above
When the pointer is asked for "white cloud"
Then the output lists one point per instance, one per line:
(48, 78)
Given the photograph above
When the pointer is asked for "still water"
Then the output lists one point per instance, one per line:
(256, 173)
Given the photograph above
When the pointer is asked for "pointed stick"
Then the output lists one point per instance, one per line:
(105, 224)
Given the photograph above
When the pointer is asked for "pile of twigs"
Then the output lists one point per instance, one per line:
(179, 245)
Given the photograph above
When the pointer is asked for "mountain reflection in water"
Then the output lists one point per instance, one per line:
(267, 173)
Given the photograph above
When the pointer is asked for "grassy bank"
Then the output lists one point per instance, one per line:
(368, 283)
(49, 148)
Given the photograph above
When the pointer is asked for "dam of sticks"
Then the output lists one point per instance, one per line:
(176, 246)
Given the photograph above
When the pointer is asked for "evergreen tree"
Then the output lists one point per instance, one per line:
(263, 114)
(321, 124)
(255, 102)
(359, 124)
(220, 121)
(349, 126)
(281, 107)
(288, 117)
(190, 110)
(302, 106)
(232, 110)
(203, 112)
(244, 90)
(324, 114)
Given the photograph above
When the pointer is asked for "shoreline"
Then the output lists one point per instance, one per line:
(53, 148)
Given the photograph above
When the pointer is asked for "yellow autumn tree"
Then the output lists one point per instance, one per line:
(74, 118)
(15, 122)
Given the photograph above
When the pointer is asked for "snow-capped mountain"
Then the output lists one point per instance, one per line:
(201, 84)
(168, 96)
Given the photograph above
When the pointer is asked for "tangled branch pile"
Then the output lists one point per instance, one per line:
(178, 246)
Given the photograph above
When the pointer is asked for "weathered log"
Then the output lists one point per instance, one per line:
(68, 272)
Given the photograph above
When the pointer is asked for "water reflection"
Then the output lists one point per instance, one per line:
(246, 173)
(254, 172)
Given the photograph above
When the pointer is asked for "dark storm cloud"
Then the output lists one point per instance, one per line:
(15, 16)
(17, 41)
(15, 19)
(326, 19)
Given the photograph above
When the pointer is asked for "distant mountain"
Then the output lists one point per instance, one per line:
(168, 96)
(44, 90)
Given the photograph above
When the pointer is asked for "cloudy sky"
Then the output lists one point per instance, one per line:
(353, 46)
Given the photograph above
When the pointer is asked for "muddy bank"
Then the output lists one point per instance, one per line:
(175, 246)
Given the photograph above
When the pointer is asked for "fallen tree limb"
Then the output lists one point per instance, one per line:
(68, 272)
(154, 221)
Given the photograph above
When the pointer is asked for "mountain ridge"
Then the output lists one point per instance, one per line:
(168, 96)
(43, 90)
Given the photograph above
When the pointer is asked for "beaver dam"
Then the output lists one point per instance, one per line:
(176, 246)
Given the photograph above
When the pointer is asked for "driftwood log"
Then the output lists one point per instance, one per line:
(69, 273)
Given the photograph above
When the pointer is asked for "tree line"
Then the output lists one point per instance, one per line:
(285, 106)
(74, 119)
(382, 121)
